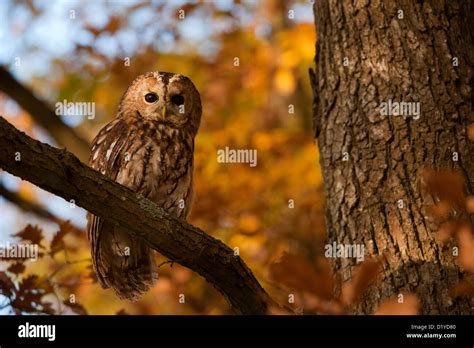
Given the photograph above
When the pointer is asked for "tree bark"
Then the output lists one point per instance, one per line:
(60, 172)
(44, 115)
(369, 52)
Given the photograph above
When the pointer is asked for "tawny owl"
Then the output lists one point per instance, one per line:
(149, 148)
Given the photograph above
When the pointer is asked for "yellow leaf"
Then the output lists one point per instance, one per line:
(284, 81)
(249, 223)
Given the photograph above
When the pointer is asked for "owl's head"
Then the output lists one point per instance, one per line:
(167, 98)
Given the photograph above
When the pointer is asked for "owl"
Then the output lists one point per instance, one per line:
(149, 148)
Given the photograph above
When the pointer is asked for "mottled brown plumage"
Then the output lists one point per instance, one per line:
(149, 148)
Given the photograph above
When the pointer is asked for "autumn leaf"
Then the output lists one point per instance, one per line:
(33, 282)
(446, 185)
(93, 30)
(440, 211)
(16, 268)
(249, 223)
(463, 288)
(447, 230)
(409, 306)
(277, 310)
(7, 287)
(470, 132)
(28, 297)
(189, 7)
(318, 305)
(363, 276)
(57, 243)
(75, 307)
(284, 81)
(91, 273)
(114, 24)
(27, 301)
(47, 308)
(29, 282)
(24, 305)
(31, 233)
(466, 248)
(296, 272)
(31, 304)
(470, 204)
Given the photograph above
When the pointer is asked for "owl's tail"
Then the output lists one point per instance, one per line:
(123, 263)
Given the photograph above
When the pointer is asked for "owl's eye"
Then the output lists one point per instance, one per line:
(151, 97)
(177, 99)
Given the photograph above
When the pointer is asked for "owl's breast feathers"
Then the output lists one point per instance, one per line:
(150, 158)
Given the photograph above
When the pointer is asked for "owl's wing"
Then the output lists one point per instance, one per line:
(104, 158)
(106, 147)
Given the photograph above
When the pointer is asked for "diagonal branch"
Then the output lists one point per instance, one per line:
(60, 172)
(44, 115)
(26, 205)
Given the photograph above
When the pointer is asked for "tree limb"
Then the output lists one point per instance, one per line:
(42, 113)
(60, 172)
(25, 205)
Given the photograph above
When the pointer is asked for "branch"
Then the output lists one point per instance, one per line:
(42, 113)
(60, 172)
(26, 205)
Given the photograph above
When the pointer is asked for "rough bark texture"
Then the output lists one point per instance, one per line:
(407, 59)
(59, 172)
(44, 115)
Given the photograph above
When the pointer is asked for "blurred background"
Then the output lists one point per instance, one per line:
(89, 51)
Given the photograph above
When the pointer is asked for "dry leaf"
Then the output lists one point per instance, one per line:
(466, 248)
(57, 243)
(316, 304)
(462, 288)
(30, 233)
(47, 308)
(470, 204)
(277, 310)
(29, 295)
(6, 285)
(363, 275)
(446, 185)
(32, 282)
(91, 274)
(440, 211)
(29, 282)
(296, 272)
(446, 230)
(16, 268)
(114, 24)
(75, 307)
(410, 306)
(470, 132)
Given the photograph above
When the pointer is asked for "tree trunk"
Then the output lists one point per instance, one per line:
(373, 52)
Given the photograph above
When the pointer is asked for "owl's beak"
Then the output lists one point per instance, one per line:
(163, 113)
